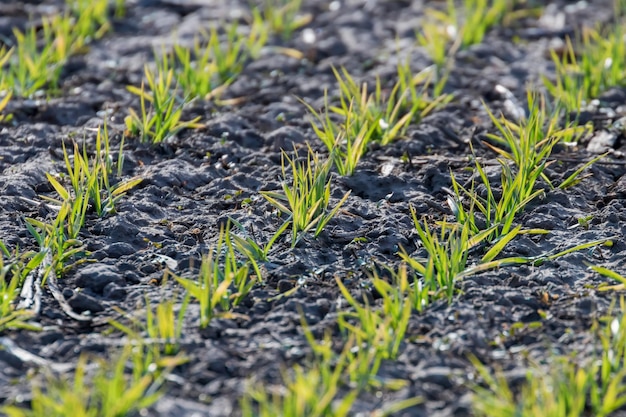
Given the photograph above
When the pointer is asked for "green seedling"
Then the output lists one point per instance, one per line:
(76, 205)
(524, 148)
(443, 33)
(5, 118)
(84, 21)
(314, 391)
(14, 267)
(479, 17)
(593, 386)
(499, 212)
(362, 362)
(608, 273)
(165, 324)
(163, 119)
(162, 327)
(66, 41)
(307, 392)
(306, 200)
(345, 143)
(373, 108)
(196, 78)
(5, 89)
(576, 177)
(223, 281)
(529, 143)
(18, 264)
(382, 329)
(212, 63)
(258, 35)
(367, 116)
(583, 222)
(282, 17)
(328, 386)
(436, 39)
(31, 67)
(34, 67)
(447, 254)
(91, 20)
(391, 294)
(109, 392)
(5, 55)
(409, 285)
(102, 193)
(53, 240)
(229, 56)
(40, 53)
(248, 247)
(463, 29)
(364, 353)
(120, 9)
(487, 261)
(90, 180)
(608, 393)
(412, 90)
(560, 394)
(90, 187)
(584, 75)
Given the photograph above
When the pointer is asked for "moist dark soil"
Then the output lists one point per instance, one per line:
(194, 182)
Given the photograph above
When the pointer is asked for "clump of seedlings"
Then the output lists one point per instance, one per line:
(571, 387)
(35, 61)
(161, 110)
(584, 73)
(223, 280)
(367, 116)
(524, 148)
(107, 391)
(305, 195)
(281, 17)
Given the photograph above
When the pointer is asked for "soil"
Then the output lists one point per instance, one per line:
(198, 179)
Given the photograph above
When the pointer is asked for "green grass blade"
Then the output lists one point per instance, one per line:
(499, 246)
(608, 273)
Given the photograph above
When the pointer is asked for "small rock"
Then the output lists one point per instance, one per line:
(52, 337)
(260, 308)
(602, 141)
(99, 255)
(11, 360)
(552, 18)
(81, 302)
(613, 97)
(586, 307)
(96, 277)
(438, 375)
(114, 292)
(323, 306)
(511, 107)
(175, 406)
(331, 46)
(132, 278)
(119, 249)
(249, 139)
(284, 138)
(284, 285)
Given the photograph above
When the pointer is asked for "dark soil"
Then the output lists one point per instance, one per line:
(188, 183)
